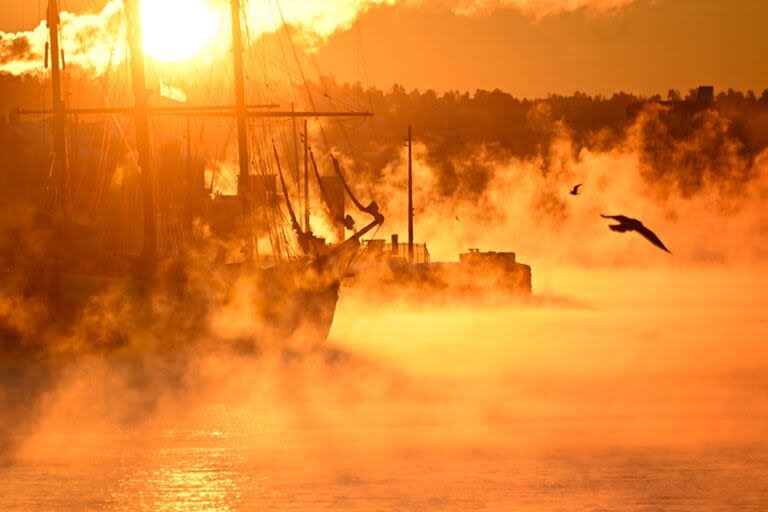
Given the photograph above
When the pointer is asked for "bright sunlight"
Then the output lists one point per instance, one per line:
(176, 30)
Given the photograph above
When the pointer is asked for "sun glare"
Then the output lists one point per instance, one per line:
(176, 30)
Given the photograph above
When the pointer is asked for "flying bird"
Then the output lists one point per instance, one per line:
(575, 190)
(629, 224)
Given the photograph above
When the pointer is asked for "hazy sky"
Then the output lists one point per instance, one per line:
(648, 46)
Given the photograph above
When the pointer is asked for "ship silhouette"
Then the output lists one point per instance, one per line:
(150, 236)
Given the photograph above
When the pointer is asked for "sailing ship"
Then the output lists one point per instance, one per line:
(293, 284)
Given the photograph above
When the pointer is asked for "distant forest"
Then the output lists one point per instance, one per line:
(683, 140)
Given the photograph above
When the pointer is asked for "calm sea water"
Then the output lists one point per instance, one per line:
(214, 474)
(609, 402)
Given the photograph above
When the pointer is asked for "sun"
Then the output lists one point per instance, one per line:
(177, 30)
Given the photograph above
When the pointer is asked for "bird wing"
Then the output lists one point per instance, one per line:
(651, 237)
(576, 188)
(619, 218)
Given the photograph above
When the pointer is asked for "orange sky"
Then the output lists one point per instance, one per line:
(647, 46)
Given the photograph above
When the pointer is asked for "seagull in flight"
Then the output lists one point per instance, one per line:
(575, 190)
(629, 224)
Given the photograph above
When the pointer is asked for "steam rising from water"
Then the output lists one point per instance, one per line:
(622, 348)
(703, 195)
(607, 306)
(628, 367)
(532, 396)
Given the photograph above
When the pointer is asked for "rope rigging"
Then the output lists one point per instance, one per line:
(348, 222)
(294, 221)
(372, 209)
(108, 179)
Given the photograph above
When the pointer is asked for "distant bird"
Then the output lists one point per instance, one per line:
(575, 190)
(629, 224)
(457, 219)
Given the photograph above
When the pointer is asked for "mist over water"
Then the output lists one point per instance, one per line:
(639, 388)
(631, 379)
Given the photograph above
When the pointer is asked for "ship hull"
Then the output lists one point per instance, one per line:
(292, 305)
(281, 306)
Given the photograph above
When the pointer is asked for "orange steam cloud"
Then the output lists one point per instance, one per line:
(89, 41)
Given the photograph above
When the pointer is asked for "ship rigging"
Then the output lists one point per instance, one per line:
(303, 285)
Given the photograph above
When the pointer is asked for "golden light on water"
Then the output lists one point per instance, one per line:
(177, 30)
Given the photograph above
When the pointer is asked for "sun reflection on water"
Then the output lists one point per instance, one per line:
(205, 478)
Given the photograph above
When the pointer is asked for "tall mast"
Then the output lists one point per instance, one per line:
(410, 196)
(306, 178)
(241, 112)
(189, 147)
(61, 163)
(295, 129)
(141, 117)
